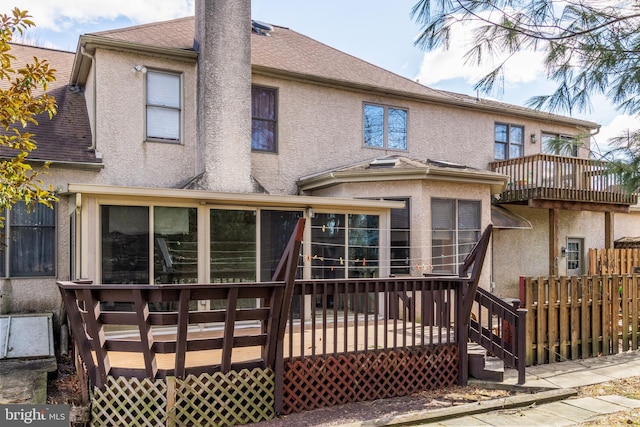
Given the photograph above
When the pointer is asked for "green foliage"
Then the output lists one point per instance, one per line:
(590, 48)
(22, 99)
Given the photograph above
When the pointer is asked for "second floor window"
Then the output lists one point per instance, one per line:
(558, 144)
(163, 106)
(509, 141)
(264, 119)
(385, 127)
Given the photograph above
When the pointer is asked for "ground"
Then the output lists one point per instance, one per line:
(66, 389)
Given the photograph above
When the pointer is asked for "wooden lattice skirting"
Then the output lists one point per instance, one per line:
(311, 383)
(215, 399)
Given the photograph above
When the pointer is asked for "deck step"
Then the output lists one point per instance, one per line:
(483, 366)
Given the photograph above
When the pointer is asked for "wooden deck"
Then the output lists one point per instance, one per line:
(397, 333)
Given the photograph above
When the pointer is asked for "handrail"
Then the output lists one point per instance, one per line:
(506, 338)
(548, 176)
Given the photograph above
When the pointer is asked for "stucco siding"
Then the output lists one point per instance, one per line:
(128, 159)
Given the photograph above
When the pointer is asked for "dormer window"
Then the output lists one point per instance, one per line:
(385, 127)
(163, 106)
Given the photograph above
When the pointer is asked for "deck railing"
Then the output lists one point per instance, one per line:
(341, 316)
(552, 177)
(500, 328)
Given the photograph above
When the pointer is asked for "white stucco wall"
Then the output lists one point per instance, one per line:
(128, 159)
(321, 128)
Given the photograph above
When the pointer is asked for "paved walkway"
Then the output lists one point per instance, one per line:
(550, 404)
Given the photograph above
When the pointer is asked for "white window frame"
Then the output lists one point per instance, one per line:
(175, 106)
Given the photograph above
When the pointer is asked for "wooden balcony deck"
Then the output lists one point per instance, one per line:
(545, 180)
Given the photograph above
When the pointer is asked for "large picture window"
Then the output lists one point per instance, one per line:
(385, 127)
(29, 242)
(264, 119)
(455, 229)
(509, 141)
(401, 239)
(344, 245)
(163, 106)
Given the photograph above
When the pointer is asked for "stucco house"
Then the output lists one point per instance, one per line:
(185, 150)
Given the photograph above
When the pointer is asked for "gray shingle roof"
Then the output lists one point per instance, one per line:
(66, 137)
(286, 51)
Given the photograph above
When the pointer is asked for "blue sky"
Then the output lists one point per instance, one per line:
(379, 31)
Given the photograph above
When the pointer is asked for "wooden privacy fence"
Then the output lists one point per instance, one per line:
(580, 317)
(613, 261)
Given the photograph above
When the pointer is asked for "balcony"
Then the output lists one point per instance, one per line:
(550, 181)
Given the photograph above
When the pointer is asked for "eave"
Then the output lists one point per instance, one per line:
(242, 199)
(496, 182)
(89, 43)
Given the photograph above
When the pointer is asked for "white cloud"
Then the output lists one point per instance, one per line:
(618, 126)
(441, 65)
(61, 15)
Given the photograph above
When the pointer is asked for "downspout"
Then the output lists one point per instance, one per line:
(95, 115)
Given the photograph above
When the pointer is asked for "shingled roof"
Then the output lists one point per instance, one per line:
(288, 53)
(67, 136)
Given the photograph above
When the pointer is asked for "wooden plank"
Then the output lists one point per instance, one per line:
(595, 311)
(552, 327)
(585, 317)
(564, 325)
(605, 304)
(613, 308)
(575, 319)
(79, 335)
(542, 322)
(182, 331)
(146, 335)
(531, 307)
(229, 329)
(634, 312)
(625, 282)
(96, 332)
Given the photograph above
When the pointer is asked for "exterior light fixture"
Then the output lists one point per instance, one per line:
(534, 138)
(139, 69)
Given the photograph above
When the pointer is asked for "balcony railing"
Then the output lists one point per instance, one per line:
(551, 177)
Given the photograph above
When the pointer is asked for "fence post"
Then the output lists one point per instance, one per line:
(521, 344)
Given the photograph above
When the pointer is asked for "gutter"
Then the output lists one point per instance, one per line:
(94, 113)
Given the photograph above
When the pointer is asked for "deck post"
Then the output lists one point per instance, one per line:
(521, 344)
(462, 334)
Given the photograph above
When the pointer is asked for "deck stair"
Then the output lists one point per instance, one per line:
(483, 366)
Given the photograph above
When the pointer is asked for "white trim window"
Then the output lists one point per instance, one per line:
(29, 242)
(163, 106)
(385, 127)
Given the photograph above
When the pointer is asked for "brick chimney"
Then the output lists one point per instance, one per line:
(223, 42)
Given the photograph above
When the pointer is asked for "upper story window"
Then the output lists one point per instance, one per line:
(555, 144)
(163, 106)
(264, 119)
(509, 141)
(385, 127)
(29, 245)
